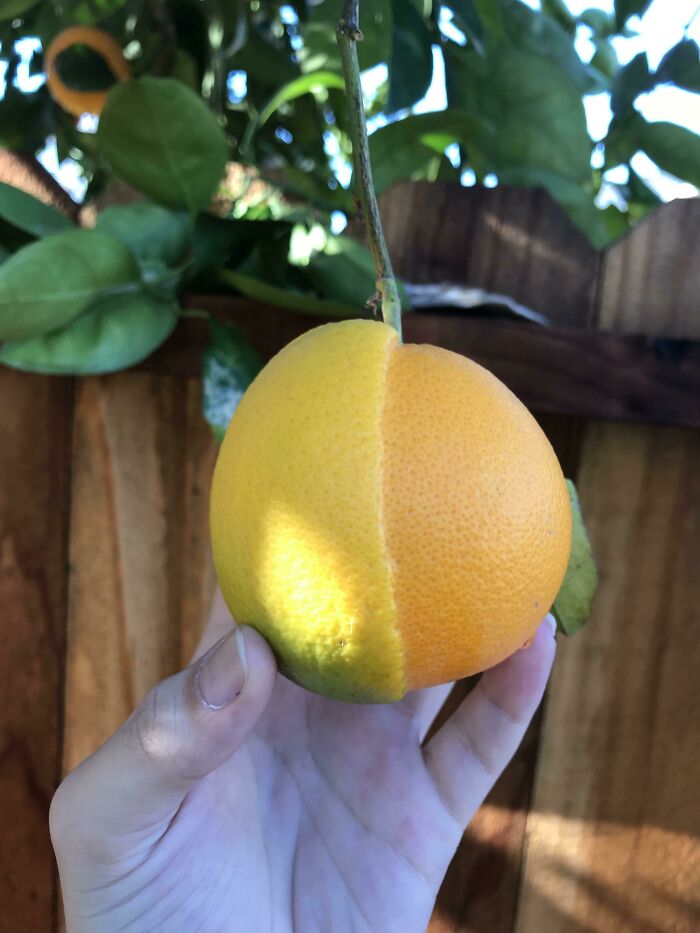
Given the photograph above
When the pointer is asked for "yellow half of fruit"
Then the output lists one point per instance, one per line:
(388, 516)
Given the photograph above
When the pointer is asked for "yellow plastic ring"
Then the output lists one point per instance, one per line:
(79, 102)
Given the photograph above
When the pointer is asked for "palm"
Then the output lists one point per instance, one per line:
(327, 815)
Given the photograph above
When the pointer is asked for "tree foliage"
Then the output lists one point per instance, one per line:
(256, 85)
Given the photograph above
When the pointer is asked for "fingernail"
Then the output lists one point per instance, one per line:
(222, 672)
(552, 623)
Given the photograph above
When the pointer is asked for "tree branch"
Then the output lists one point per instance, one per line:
(348, 34)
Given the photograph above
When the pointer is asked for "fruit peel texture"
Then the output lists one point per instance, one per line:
(296, 514)
(477, 516)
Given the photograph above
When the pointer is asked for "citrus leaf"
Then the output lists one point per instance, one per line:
(149, 230)
(559, 11)
(675, 149)
(112, 335)
(624, 9)
(305, 84)
(630, 81)
(411, 62)
(160, 137)
(600, 21)
(542, 37)
(467, 17)
(28, 214)
(282, 297)
(48, 283)
(403, 149)
(681, 66)
(229, 366)
(575, 598)
(90, 12)
(320, 47)
(344, 272)
(11, 8)
(217, 240)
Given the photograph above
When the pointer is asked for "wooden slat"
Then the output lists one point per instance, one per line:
(650, 279)
(34, 472)
(552, 369)
(614, 829)
(615, 821)
(515, 241)
(141, 578)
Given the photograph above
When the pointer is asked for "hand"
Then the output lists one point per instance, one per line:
(233, 800)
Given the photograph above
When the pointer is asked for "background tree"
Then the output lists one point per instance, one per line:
(234, 130)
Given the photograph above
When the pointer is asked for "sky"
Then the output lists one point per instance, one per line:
(662, 26)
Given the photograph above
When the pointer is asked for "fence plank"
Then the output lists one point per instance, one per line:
(556, 369)
(614, 826)
(615, 820)
(513, 241)
(142, 458)
(34, 468)
(650, 279)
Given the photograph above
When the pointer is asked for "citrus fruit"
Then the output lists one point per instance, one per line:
(73, 100)
(389, 516)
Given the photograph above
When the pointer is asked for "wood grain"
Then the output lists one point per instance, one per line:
(514, 241)
(34, 487)
(613, 833)
(551, 369)
(650, 279)
(141, 578)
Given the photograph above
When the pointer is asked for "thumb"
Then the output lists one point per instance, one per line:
(184, 729)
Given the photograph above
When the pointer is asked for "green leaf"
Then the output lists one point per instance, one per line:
(320, 49)
(404, 148)
(229, 366)
(283, 297)
(624, 9)
(575, 598)
(681, 66)
(112, 335)
(605, 58)
(11, 8)
(600, 21)
(467, 17)
(149, 230)
(268, 64)
(491, 15)
(22, 212)
(535, 104)
(560, 12)
(675, 149)
(48, 283)
(344, 272)
(25, 119)
(91, 12)
(306, 84)
(631, 80)
(411, 62)
(160, 137)
(218, 240)
(542, 37)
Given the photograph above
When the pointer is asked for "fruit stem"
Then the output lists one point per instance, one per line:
(348, 34)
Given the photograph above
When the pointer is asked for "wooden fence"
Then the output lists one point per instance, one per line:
(105, 576)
